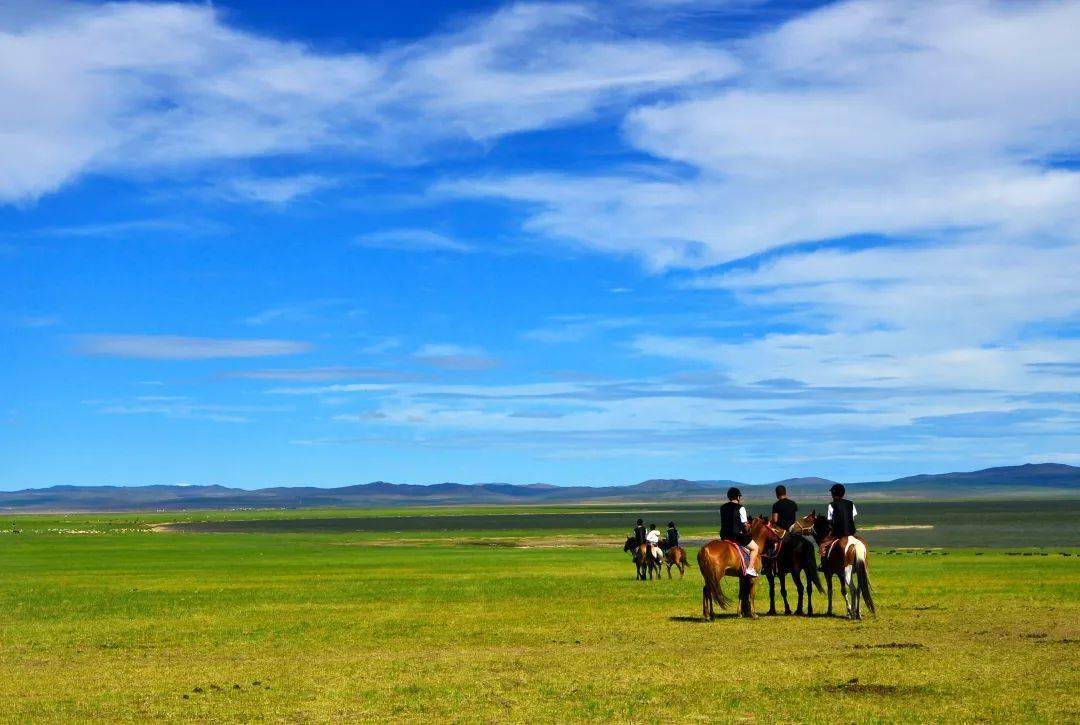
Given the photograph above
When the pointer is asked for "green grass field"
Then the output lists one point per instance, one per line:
(529, 620)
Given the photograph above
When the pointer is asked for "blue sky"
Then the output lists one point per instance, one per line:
(273, 243)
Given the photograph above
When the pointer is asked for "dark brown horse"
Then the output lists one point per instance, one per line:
(643, 560)
(674, 556)
(718, 559)
(797, 555)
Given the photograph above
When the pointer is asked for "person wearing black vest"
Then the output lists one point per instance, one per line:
(733, 526)
(840, 515)
(639, 532)
(672, 535)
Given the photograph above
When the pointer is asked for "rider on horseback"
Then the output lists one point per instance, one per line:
(672, 535)
(653, 538)
(840, 515)
(784, 510)
(783, 516)
(733, 525)
(639, 532)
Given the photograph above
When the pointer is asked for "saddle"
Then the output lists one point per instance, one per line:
(843, 540)
(744, 555)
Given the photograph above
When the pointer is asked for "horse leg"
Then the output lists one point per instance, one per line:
(706, 600)
(751, 600)
(682, 569)
(853, 590)
(796, 577)
(828, 582)
(783, 591)
(809, 595)
(772, 592)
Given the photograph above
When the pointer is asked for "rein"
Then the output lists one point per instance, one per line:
(802, 528)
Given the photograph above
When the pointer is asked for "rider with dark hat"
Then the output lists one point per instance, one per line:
(672, 535)
(734, 525)
(639, 532)
(840, 515)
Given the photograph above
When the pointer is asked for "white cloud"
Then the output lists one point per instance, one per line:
(973, 292)
(317, 374)
(930, 128)
(862, 117)
(182, 407)
(411, 240)
(575, 328)
(172, 347)
(455, 357)
(305, 312)
(278, 190)
(141, 86)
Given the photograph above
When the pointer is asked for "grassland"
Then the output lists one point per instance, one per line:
(511, 618)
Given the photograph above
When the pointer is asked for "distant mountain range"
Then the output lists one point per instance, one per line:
(1033, 479)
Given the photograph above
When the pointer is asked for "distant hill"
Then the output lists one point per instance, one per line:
(1041, 479)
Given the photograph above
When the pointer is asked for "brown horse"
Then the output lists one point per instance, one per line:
(643, 560)
(675, 556)
(722, 558)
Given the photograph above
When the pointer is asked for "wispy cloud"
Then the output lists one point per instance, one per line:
(828, 115)
(305, 312)
(173, 347)
(411, 240)
(381, 346)
(455, 357)
(273, 190)
(130, 227)
(31, 321)
(575, 328)
(142, 86)
(319, 374)
(182, 407)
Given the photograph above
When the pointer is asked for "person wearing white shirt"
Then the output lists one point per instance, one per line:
(840, 515)
(734, 526)
(653, 537)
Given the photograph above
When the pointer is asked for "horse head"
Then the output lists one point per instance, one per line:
(630, 544)
(805, 524)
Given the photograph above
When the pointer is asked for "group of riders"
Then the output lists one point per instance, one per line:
(734, 525)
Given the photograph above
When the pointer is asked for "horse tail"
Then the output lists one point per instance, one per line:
(812, 570)
(864, 582)
(718, 594)
(712, 582)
